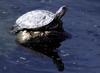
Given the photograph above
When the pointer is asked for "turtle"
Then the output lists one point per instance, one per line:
(38, 23)
(42, 31)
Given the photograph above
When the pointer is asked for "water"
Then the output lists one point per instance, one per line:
(80, 54)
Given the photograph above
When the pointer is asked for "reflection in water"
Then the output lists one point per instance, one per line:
(51, 51)
(48, 46)
(45, 42)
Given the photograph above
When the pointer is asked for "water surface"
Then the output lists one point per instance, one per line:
(81, 54)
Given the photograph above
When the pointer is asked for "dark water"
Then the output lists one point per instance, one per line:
(81, 54)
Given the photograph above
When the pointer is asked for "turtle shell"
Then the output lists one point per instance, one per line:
(34, 19)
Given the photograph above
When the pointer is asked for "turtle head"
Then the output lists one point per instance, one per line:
(61, 11)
